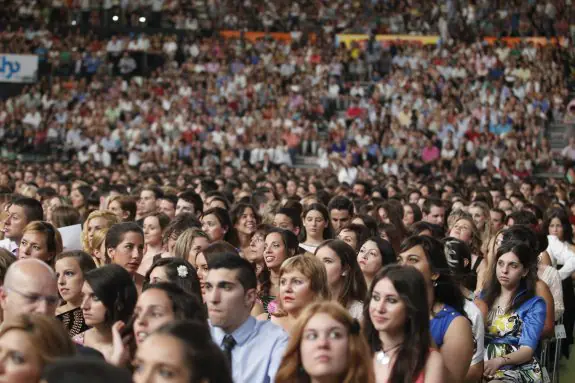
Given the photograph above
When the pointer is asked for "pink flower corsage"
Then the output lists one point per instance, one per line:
(272, 306)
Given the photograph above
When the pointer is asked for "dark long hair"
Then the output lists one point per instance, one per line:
(354, 287)
(456, 253)
(446, 290)
(116, 233)
(528, 259)
(413, 352)
(239, 209)
(562, 216)
(388, 255)
(223, 216)
(185, 306)
(328, 231)
(114, 286)
(394, 212)
(179, 272)
(204, 358)
(291, 245)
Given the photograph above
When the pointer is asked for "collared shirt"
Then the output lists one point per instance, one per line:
(259, 349)
(9, 245)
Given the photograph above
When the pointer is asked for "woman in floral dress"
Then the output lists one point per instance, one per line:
(515, 316)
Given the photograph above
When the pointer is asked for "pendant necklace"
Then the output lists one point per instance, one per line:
(382, 357)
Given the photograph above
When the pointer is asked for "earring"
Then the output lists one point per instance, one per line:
(434, 283)
(344, 274)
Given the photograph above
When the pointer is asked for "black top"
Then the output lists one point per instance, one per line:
(73, 321)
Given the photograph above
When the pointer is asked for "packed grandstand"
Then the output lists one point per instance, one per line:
(410, 116)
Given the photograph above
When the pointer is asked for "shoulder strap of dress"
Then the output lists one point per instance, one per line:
(477, 263)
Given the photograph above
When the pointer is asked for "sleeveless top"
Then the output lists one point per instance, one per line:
(439, 324)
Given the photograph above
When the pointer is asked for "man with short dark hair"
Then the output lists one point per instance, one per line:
(340, 210)
(189, 202)
(254, 348)
(148, 202)
(496, 195)
(362, 189)
(526, 189)
(497, 217)
(434, 212)
(167, 205)
(20, 213)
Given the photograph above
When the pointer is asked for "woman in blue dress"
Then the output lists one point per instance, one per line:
(515, 316)
(449, 326)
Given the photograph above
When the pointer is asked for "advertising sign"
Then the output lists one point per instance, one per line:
(18, 68)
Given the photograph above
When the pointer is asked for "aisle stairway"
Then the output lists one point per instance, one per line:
(558, 135)
(306, 162)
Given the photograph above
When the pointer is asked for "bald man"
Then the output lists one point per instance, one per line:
(30, 286)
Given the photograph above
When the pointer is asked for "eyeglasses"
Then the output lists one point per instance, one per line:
(51, 300)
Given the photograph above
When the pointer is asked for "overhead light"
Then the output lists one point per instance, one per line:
(74, 22)
(142, 19)
(115, 18)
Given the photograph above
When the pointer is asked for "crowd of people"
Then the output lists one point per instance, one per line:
(448, 18)
(216, 102)
(278, 279)
(166, 235)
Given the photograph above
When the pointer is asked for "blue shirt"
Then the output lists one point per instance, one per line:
(259, 349)
(528, 319)
(439, 324)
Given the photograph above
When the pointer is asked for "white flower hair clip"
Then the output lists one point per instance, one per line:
(182, 271)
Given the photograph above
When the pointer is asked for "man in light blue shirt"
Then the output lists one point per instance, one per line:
(254, 347)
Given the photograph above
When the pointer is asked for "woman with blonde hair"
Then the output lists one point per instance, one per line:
(98, 219)
(30, 342)
(481, 215)
(190, 243)
(40, 240)
(30, 191)
(465, 230)
(303, 280)
(326, 328)
(99, 254)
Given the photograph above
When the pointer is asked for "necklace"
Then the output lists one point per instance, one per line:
(382, 357)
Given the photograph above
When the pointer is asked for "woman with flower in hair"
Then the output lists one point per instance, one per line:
(177, 271)
(326, 346)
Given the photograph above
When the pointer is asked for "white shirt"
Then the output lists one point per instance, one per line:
(478, 330)
(9, 245)
(561, 254)
(347, 175)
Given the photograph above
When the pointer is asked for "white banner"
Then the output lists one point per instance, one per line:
(18, 68)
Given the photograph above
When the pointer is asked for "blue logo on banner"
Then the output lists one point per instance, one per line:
(9, 67)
